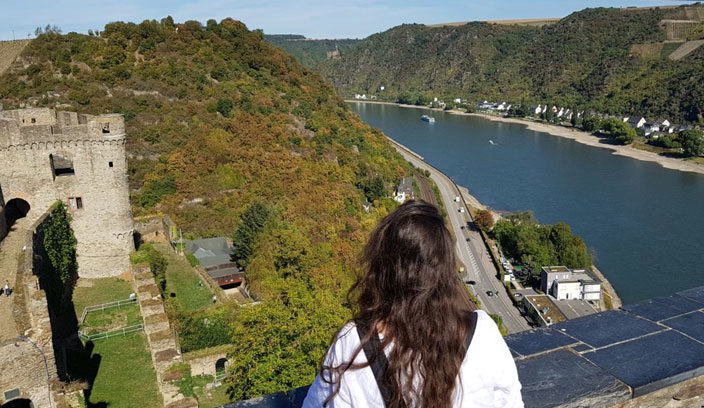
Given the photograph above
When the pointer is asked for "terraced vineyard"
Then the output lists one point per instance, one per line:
(9, 50)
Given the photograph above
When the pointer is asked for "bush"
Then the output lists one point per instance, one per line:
(153, 191)
(199, 330)
(192, 260)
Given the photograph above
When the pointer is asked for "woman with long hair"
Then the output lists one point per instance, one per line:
(415, 339)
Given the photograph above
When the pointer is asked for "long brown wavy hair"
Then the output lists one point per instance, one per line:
(410, 289)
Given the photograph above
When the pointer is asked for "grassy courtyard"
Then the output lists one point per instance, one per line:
(114, 318)
(121, 371)
(183, 282)
(91, 292)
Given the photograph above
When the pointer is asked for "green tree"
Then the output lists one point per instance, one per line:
(281, 342)
(225, 107)
(591, 124)
(692, 142)
(619, 130)
(245, 237)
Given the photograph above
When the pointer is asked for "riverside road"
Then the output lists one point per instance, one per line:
(473, 253)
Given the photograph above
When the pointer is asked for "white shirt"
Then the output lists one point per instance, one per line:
(488, 373)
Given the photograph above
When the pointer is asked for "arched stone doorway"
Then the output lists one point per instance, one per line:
(18, 403)
(220, 368)
(15, 209)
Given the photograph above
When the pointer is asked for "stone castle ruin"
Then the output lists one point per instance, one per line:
(48, 156)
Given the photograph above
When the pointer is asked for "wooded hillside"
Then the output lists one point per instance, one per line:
(606, 59)
(222, 125)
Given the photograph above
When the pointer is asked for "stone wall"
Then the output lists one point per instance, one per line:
(203, 362)
(3, 224)
(34, 141)
(152, 229)
(27, 363)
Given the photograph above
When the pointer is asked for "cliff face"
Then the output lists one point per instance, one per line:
(611, 60)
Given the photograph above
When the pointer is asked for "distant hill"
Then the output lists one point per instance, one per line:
(608, 59)
(309, 51)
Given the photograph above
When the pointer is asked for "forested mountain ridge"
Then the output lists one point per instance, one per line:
(228, 133)
(312, 51)
(607, 59)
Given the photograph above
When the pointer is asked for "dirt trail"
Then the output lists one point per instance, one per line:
(685, 49)
(10, 248)
(9, 51)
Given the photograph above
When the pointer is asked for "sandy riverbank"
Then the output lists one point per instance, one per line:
(577, 136)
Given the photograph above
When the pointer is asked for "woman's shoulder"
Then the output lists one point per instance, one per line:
(346, 341)
(486, 327)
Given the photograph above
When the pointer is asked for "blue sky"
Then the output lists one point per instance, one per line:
(312, 18)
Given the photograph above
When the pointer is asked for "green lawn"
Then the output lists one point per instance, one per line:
(125, 375)
(101, 291)
(111, 319)
(207, 398)
(182, 281)
(215, 397)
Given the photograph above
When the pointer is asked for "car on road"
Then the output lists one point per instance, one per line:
(461, 226)
(489, 293)
(517, 295)
(470, 282)
(468, 239)
(461, 209)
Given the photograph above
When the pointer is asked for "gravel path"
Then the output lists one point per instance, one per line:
(10, 248)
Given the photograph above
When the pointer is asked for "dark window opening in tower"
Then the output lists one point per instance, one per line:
(61, 166)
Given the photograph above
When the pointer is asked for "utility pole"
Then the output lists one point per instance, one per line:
(13, 35)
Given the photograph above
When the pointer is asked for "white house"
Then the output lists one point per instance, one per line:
(560, 112)
(636, 122)
(563, 283)
(404, 190)
(501, 106)
(457, 100)
(381, 88)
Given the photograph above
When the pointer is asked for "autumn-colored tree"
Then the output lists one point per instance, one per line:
(484, 220)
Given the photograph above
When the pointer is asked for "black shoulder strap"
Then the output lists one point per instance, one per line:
(377, 358)
(472, 328)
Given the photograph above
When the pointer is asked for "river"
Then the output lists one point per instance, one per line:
(643, 224)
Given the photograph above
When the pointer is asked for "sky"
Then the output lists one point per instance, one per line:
(312, 18)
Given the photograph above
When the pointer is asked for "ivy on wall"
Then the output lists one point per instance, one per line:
(60, 267)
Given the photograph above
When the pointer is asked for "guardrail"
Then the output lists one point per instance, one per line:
(118, 304)
(113, 333)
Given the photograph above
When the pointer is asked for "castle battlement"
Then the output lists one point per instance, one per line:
(25, 128)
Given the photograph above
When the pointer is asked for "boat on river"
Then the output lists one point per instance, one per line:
(426, 118)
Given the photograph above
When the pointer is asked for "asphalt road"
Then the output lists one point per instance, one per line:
(473, 253)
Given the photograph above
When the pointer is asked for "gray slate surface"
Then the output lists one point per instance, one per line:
(598, 360)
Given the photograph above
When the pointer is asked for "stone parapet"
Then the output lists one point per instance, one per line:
(649, 354)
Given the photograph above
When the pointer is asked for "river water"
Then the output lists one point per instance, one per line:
(644, 224)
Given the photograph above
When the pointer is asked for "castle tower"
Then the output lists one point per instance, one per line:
(48, 156)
